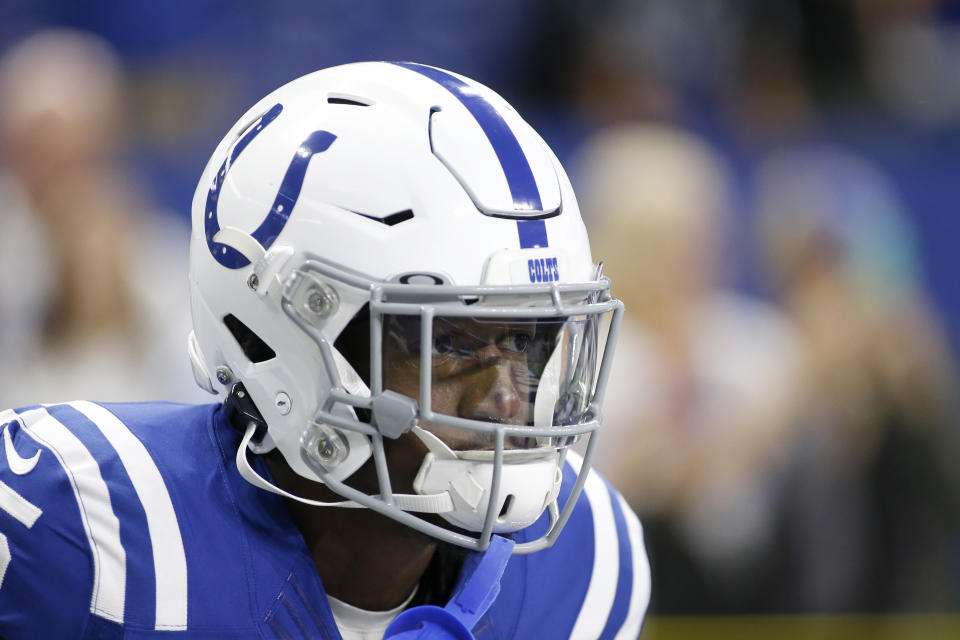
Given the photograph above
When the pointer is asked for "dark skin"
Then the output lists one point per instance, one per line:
(369, 560)
(363, 558)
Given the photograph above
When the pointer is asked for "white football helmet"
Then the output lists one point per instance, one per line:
(385, 251)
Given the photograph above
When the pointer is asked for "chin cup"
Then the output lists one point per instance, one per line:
(529, 482)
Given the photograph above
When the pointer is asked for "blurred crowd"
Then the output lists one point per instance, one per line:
(792, 449)
(770, 185)
(792, 454)
(93, 295)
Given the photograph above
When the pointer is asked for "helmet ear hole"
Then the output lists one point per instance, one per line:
(253, 347)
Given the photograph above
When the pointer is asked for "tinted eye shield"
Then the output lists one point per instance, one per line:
(510, 373)
(532, 330)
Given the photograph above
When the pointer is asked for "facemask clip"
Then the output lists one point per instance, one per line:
(394, 414)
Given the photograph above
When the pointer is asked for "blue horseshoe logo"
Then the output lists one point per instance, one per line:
(272, 225)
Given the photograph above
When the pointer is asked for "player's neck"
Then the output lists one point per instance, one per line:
(363, 558)
(372, 569)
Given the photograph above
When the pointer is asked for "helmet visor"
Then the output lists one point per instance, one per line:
(516, 372)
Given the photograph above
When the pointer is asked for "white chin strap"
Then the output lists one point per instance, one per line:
(455, 484)
(435, 503)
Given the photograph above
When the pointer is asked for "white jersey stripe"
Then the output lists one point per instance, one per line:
(169, 560)
(4, 557)
(640, 593)
(93, 498)
(18, 506)
(606, 558)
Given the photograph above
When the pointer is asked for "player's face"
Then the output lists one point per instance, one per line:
(481, 370)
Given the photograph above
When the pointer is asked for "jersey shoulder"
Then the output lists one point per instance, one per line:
(88, 528)
(593, 582)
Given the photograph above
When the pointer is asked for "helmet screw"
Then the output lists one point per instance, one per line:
(325, 448)
(322, 301)
(282, 401)
(253, 281)
(224, 375)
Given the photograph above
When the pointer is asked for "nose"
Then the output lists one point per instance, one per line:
(491, 393)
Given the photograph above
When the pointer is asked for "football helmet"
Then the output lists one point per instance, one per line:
(386, 251)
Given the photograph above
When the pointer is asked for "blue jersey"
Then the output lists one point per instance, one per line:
(131, 520)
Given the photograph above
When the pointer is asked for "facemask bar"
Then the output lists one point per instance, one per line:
(428, 301)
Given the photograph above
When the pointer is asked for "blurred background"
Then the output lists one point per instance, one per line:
(772, 185)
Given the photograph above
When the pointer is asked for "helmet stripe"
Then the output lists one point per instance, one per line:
(516, 169)
(533, 233)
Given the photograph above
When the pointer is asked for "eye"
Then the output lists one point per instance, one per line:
(516, 342)
(442, 345)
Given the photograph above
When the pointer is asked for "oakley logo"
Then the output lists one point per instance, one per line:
(420, 278)
(283, 203)
(19, 465)
(543, 269)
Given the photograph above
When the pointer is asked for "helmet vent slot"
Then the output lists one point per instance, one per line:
(398, 217)
(392, 219)
(505, 509)
(334, 99)
(254, 348)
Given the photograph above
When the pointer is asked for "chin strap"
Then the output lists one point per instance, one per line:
(478, 588)
(430, 503)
